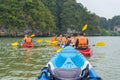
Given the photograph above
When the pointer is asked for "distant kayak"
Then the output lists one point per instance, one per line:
(26, 45)
(68, 64)
(87, 52)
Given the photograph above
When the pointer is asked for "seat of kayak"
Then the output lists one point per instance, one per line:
(67, 74)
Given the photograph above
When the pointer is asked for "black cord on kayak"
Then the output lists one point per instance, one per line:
(98, 78)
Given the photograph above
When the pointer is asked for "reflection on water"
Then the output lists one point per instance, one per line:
(28, 54)
(18, 63)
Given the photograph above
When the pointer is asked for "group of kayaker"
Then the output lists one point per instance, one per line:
(63, 40)
(79, 40)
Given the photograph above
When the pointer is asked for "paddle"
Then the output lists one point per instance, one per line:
(33, 35)
(39, 40)
(59, 50)
(15, 44)
(54, 42)
(48, 41)
(84, 27)
(99, 44)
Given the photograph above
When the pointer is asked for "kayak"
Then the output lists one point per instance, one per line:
(25, 45)
(87, 52)
(68, 64)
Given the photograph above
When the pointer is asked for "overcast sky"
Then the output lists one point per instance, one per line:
(103, 8)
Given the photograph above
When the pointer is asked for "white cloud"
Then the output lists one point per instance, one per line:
(103, 8)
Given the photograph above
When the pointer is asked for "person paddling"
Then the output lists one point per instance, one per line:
(82, 41)
(28, 39)
(24, 39)
(64, 40)
(27, 42)
(59, 39)
(54, 38)
(68, 41)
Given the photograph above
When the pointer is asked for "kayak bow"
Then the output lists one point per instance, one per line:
(68, 64)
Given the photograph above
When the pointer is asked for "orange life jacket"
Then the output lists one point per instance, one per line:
(54, 39)
(82, 42)
(28, 40)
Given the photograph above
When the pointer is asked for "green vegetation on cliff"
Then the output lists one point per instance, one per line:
(22, 16)
(45, 17)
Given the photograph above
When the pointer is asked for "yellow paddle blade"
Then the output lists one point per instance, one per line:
(58, 50)
(15, 44)
(39, 41)
(100, 44)
(32, 35)
(84, 27)
(54, 42)
(48, 41)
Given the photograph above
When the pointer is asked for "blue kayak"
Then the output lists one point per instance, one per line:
(68, 65)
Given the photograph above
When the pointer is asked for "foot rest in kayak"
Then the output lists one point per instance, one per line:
(67, 74)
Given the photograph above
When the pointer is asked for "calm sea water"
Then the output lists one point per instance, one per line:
(17, 63)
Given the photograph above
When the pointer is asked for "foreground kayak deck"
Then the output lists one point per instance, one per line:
(68, 65)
